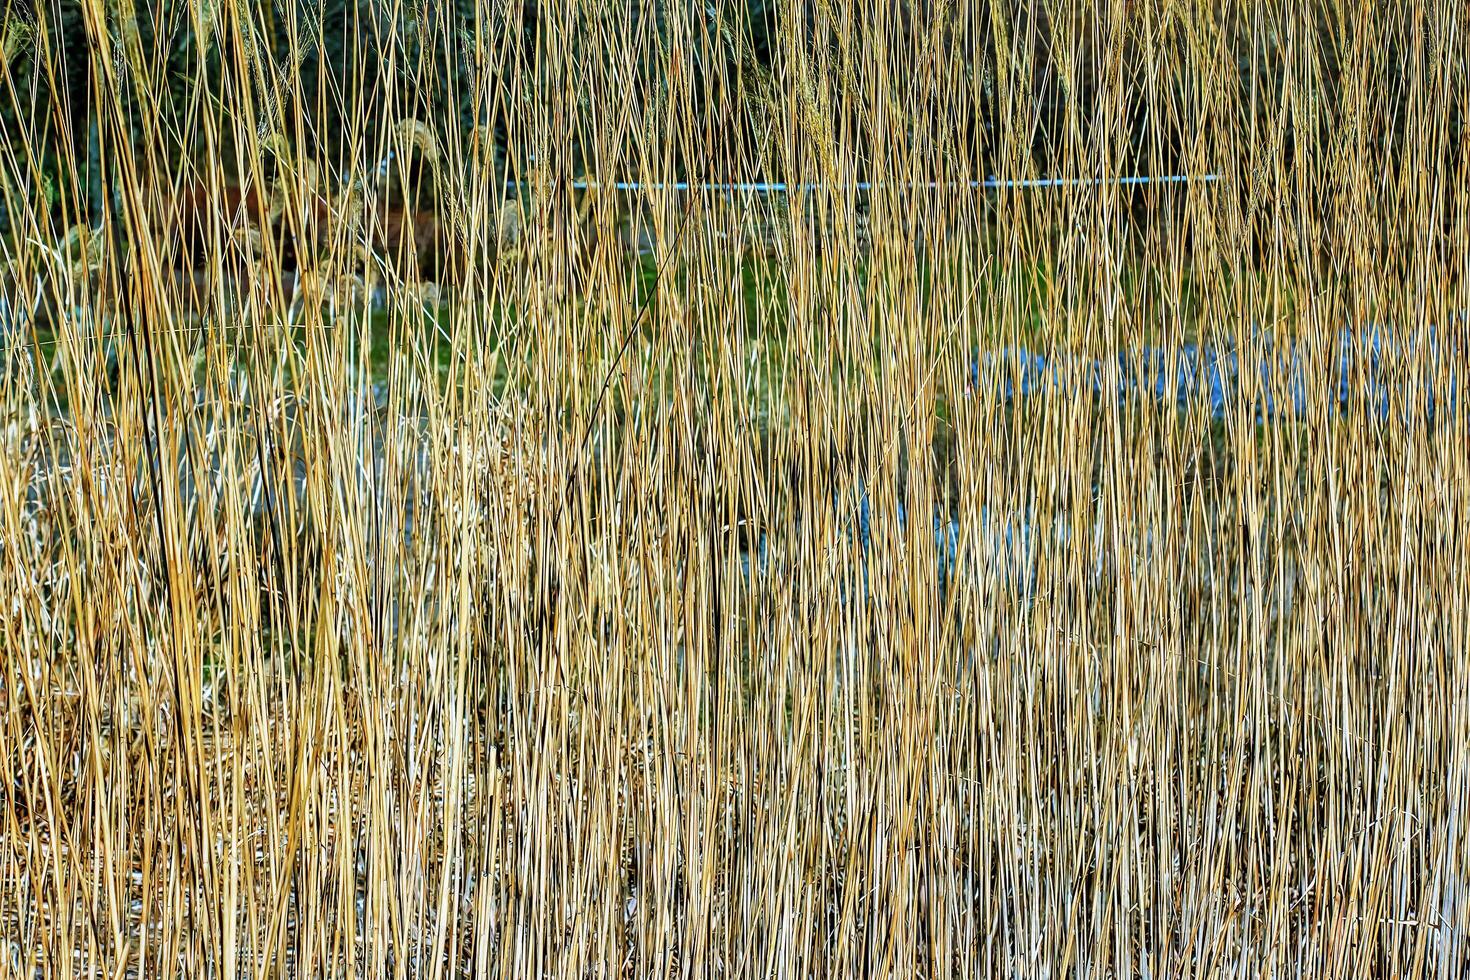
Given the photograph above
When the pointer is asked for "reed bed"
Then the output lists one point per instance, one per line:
(415, 563)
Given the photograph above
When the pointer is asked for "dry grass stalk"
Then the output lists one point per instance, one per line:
(510, 617)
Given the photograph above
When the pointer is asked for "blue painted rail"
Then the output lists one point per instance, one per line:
(1005, 545)
(781, 187)
(1278, 387)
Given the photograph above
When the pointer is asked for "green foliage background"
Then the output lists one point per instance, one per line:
(330, 47)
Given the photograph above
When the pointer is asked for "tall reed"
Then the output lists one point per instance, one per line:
(413, 565)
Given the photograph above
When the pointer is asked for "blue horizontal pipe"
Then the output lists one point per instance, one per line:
(990, 183)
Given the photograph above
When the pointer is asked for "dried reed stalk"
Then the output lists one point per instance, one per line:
(520, 623)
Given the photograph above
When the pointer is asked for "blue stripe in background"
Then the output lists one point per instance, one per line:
(1006, 545)
(990, 183)
(1213, 376)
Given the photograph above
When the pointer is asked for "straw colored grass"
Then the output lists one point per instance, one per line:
(405, 575)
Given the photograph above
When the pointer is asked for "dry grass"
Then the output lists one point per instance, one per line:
(338, 641)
